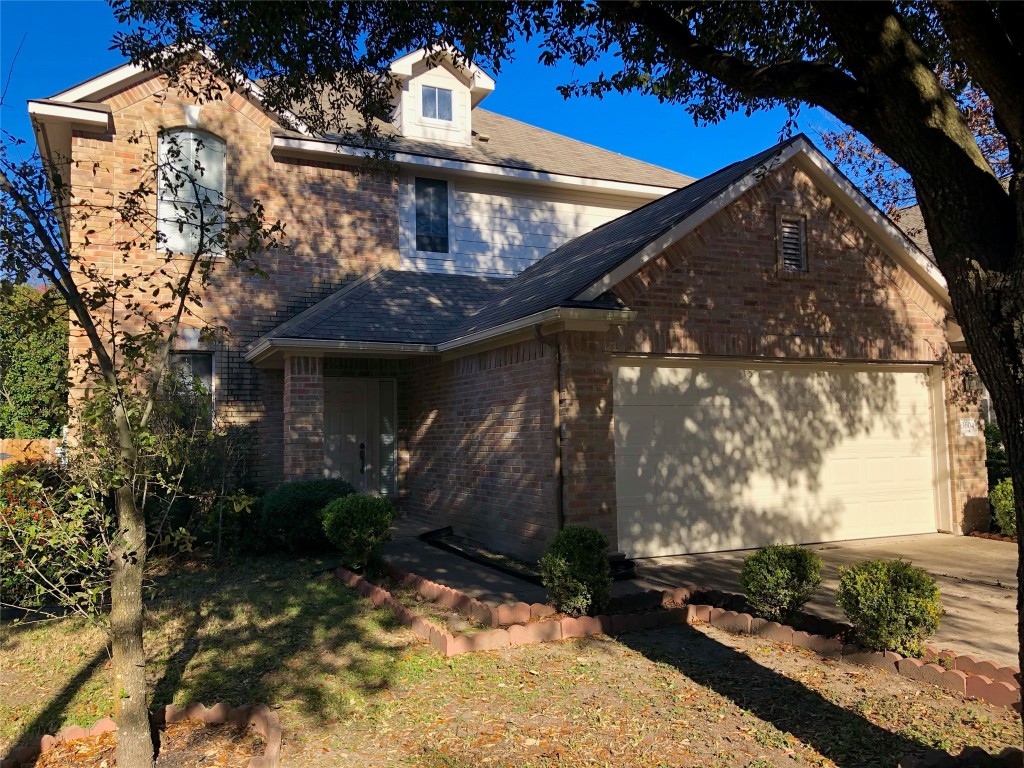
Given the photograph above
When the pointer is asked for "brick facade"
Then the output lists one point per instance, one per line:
(475, 443)
(481, 446)
(719, 292)
(341, 221)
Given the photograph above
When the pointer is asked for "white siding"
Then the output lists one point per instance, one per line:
(409, 112)
(498, 229)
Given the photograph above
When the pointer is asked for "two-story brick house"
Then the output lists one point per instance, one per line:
(513, 330)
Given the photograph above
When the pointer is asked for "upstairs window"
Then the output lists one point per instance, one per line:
(792, 244)
(437, 103)
(432, 215)
(190, 190)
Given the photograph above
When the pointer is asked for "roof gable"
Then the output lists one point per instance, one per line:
(583, 269)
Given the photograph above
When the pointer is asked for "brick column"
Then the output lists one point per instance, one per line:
(968, 475)
(303, 417)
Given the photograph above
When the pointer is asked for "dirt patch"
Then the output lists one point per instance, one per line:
(188, 744)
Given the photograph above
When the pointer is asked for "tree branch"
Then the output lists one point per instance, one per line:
(799, 79)
(993, 61)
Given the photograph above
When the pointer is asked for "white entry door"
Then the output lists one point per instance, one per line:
(346, 432)
(360, 434)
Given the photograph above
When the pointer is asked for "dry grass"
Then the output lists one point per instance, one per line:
(353, 688)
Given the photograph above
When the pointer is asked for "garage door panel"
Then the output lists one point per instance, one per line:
(715, 458)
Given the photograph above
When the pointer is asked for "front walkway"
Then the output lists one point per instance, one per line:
(977, 578)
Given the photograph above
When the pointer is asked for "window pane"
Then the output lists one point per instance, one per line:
(432, 215)
(444, 104)
(191, 174)
(429, 101)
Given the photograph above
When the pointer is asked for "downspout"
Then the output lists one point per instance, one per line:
(556, 426)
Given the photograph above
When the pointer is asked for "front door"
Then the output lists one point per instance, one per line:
(359, 433)
(346, 432)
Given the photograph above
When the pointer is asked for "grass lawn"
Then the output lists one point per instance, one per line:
(354, 688)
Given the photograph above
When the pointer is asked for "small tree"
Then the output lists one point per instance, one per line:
(33, 362)
(130, 316)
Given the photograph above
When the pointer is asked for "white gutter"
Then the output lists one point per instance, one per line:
(69, 113)
(321, 147)
(268, 346)
(555, 314)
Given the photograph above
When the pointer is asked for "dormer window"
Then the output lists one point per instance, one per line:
(437, 103)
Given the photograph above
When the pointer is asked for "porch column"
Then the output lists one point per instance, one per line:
(303, 417)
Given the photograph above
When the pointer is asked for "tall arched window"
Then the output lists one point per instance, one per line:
(190, 190)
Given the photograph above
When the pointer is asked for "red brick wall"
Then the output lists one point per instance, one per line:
(719, 292)
(303, 411)
(341, 222)
(480, 447)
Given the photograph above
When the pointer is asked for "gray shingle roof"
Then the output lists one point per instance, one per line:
(573, 267)
(911, 221)
(514, 144)
(430, 308)
(393, 306)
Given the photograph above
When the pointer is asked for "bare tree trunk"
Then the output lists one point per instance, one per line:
(134, 743)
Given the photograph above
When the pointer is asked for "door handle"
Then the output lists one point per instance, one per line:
(362, 458)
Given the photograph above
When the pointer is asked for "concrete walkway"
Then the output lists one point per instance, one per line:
(977, 578)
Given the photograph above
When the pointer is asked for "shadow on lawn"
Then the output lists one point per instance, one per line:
(268, 630)
(272, 632)
(841, 735)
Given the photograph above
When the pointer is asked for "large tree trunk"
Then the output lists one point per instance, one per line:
(134, 743)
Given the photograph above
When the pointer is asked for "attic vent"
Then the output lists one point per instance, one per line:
(793, 244)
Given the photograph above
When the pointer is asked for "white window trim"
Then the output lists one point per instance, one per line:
(438, 121)
(437, 255)
(203, 134)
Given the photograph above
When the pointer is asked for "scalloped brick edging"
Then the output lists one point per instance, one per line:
(525, 624)
(263, 719)
(993, 536)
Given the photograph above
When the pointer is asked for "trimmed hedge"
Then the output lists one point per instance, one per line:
(892, 605)
(1003, 509)
(779, 579)
(576, 572)
(291, 516)
(357, 525)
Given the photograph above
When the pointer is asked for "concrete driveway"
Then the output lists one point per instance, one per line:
(977, 578)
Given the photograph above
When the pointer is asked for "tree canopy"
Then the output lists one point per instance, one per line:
(33, 363)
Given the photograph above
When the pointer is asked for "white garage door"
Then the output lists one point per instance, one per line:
(718, 457)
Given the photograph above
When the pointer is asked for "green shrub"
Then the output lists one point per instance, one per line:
(892, 605)
(50, 539)
(778, 580)
(291, 515)
(1003, 509)
(576, 572)
(357, 525)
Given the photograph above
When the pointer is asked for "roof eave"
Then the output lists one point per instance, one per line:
(268, 347)
(568, 315)
(824, 172)
(318, 148)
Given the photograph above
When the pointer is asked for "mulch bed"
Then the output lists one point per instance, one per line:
(187, 744)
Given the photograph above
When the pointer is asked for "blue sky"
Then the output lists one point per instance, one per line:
(68, 42)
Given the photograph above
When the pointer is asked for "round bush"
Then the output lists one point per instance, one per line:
(357, 525)
(575, 570)
(778, 580)
(291, 516)
(892, 605)
(1003, 508)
